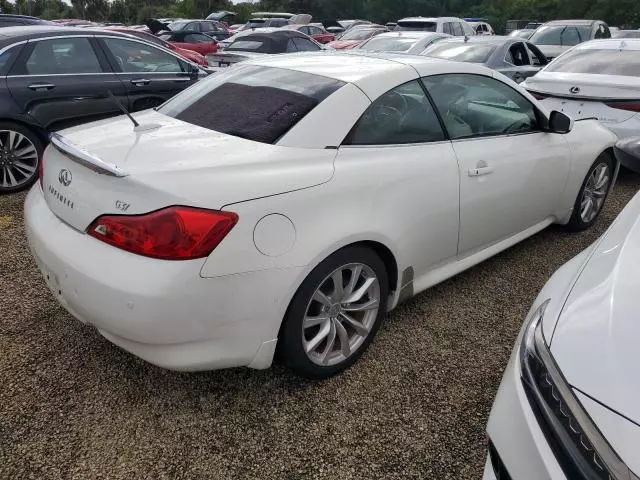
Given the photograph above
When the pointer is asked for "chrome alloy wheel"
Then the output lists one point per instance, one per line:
(340, 314)
(18, 159)
(595, 192)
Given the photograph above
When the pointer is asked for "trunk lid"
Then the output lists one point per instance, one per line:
(226, 59)
(108, 168)
(591, 92)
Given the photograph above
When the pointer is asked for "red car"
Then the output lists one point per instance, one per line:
(190, 40)
(355, 37)
(319, 34)
(190, 55)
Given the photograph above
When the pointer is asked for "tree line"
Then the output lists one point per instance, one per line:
(621, 13)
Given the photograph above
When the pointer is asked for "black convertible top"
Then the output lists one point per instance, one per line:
(271, 42)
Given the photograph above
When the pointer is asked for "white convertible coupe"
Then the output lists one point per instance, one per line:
(285, 204)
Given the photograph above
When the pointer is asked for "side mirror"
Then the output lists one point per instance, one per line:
(560, 123)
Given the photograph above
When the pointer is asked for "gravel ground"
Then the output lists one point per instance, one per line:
(415, 406)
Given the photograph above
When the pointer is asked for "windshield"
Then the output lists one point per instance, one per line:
(253, 44)
(600, 62)
(417, 26)
(358, 34)
(389, 44)
(250, 101)
(179, 25)
(566, 35)
(461, 52)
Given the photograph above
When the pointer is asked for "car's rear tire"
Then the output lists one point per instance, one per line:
(335, 313)
(593, 193)
(20, 153)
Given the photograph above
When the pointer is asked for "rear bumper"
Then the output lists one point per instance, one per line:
(161, 311)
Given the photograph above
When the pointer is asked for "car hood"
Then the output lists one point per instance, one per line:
(596, 338)
(552, 51)
(201, 165)
(341, 44)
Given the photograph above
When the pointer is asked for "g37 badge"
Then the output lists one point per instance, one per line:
(120, 205)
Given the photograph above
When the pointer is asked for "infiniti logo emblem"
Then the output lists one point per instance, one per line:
(64, 177)
(574, 89)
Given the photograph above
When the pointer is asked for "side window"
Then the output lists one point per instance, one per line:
(458, 31)
(314, 31)
(206, 27)
(192, 27)
(607, 32)
(403, 115)
(63, 55)
(537, 57)
(479, 106)
(599, 32)
(518, 54)
(291, 46)
(196, 38)
(133, 57)
(305, 30)
(305, 45)
(446, 28)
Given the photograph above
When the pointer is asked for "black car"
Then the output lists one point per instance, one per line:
(57, 77)
(21, 20)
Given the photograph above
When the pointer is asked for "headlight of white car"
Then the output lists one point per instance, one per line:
(579, 446)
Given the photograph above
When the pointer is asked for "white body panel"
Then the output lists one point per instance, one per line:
(298, 201)
(591, 325)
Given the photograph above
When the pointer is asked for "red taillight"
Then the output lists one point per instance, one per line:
(537, 95)
(629, 105)
(174, 233)
(41, 172)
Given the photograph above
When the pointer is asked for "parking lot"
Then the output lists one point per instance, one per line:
(72, 405)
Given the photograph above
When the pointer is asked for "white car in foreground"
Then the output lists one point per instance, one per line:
(597, 79)
(288, 202)
(568, 405)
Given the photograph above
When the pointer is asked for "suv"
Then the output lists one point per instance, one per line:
(558, 36)
(450, 25)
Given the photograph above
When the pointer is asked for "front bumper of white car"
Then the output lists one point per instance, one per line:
(538, 429)
(161, 311)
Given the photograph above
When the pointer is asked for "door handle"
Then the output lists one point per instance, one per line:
(480, 170)
(138, 82)
(41, 86)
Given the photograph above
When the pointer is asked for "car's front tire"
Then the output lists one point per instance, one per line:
(593, 193)
(335, 313)
(20, 154)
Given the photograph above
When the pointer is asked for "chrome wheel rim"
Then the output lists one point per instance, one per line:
(595, 192)
(341, 314)
(18, 159)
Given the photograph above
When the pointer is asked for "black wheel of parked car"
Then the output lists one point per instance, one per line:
(593, 193)
(335, 313)
(20, 154)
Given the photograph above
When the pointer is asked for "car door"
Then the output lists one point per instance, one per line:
(150, 75)
(64, 81)
(519, 66)
(512, 172)
(397, 161)
(199, 42)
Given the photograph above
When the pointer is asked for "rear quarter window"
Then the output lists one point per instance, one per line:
(257, 103)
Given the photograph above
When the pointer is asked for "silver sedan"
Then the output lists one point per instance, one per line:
(511, 56)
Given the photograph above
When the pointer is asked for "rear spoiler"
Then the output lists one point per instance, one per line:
(64, 146)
